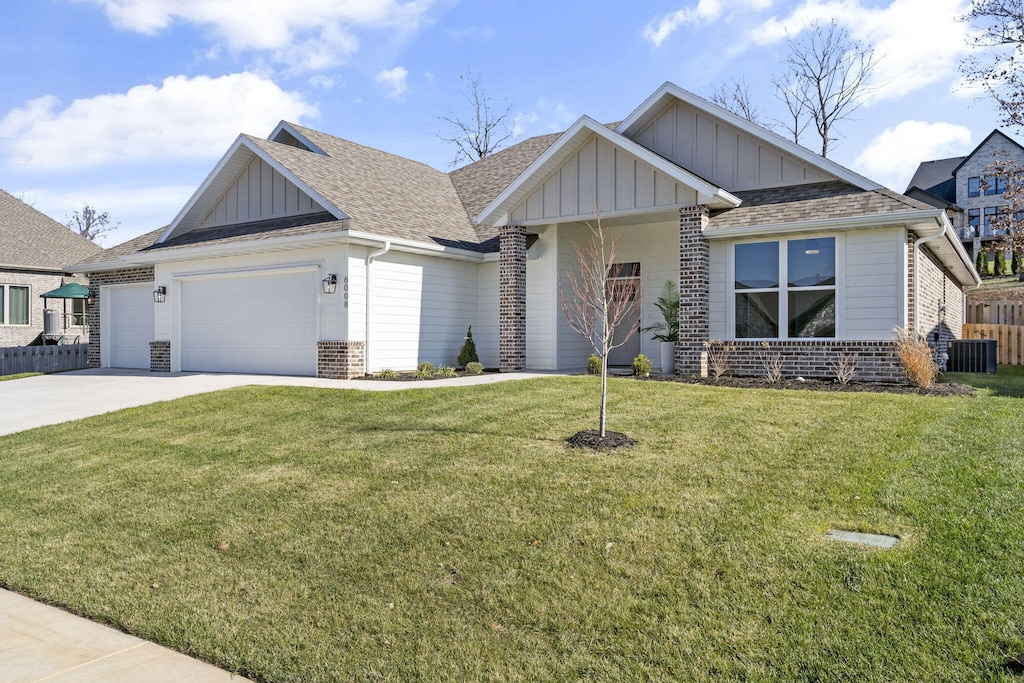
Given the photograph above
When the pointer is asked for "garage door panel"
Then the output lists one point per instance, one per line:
(263, 323)
(130, 327)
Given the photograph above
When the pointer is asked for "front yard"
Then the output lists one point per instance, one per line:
(295, 534)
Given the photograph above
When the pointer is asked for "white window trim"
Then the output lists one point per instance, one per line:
(783, 289)
(5, 304)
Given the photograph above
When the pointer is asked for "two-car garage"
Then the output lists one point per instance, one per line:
(264, 322)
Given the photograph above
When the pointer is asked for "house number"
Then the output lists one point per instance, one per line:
(346, 291)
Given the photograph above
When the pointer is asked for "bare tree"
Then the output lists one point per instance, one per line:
(826, 78)
(90, 223)
(1000, 36)
(791, 95)
(1009, 219)
(734, 96)
(485, 129)
(595, 308)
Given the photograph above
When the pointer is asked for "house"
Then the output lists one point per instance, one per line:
(961, 186)
(308, 254)
(34, 249)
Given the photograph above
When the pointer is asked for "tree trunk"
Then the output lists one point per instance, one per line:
(604, 392)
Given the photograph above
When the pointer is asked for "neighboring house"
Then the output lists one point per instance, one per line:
(307, 254)
(961, 185)
(34, 249)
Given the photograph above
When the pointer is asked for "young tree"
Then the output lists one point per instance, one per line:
(594, 308)
(1000, 37)
(90, 223)
(791, 94)
(1009, 222)
(825, 78)
(485, 129)
(734, 96)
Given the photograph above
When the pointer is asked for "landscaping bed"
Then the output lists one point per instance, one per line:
(814, 384)
(412, 377)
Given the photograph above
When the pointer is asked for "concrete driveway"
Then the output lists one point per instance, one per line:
(51, 399)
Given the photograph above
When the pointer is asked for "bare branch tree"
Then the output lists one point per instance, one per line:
(90, 223)
(594, 307)
(1000, 36)
(486, 128)
(798, 118)
(734, 96)
(1008, 174)
(826, 74)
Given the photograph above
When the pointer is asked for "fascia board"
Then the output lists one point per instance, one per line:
(667, 90)
(846, 223)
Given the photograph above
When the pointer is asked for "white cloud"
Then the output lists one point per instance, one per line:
(544, 117)
(917, 42)
(394, 80)
(704, 12)
(522, 121)
(895, 153)
(305, 34)
(182, 118)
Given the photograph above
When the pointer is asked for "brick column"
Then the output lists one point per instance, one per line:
(694, 294)
(512, 299)
(340, 359)
(159, 356)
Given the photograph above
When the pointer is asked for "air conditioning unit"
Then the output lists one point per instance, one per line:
(972, 355)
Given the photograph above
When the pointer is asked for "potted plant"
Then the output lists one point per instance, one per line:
(667, 331)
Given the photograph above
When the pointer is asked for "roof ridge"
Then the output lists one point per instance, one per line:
(360, 145)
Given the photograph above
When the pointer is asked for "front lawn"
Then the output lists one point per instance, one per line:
(297, 534)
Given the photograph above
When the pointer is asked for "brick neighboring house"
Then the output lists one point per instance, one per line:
(308, 254)
(34, 250)
(960, 185)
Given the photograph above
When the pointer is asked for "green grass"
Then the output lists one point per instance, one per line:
(20, 375)
(1001, 285)
(449, 535)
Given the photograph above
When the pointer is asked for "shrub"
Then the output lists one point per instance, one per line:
(468, 353)
(594, 364)
(668, 303)
(424, 370)
(719, 356)
(474, 367)
(771, 363)
(1000, 268)
(845, 367)
(642, 366)
(916, 358)
(1015, 262)
(387, 373)
(445, 371)
(981, 263)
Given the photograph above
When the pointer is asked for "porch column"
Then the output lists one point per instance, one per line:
(512, 299)
(694, 293)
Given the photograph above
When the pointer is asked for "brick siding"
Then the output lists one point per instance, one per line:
(512, 299)
(110, 277)
(340, 359)
(941, 307)
(160, 356)
(876, 360)
(694, 290)
(38, 283)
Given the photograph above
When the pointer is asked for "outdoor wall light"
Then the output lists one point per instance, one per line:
(160, 294)
(330, 284)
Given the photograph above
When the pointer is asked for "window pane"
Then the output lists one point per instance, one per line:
(757, 265)
(973, 217)
(18, 306)
(757, 315)
(78, 311)
(624, 270)
(812, 314)
(812, 262)
(973, 186)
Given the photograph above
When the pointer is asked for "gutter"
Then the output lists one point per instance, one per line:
(944, 225)
(385, 248)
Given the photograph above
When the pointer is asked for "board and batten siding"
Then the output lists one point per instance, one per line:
(541, 303)
(721, 153)
(602, 175)
(420, 307)
(485, 330)
(258, 193)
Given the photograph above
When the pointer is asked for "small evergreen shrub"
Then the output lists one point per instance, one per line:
(981, 263)
(445, 371)
(916, 358)
(474, 367)
(1000, 268)
(1015, 262)
(468, 353)
(424, 370)
(642, 366)
(387, 373)
(594, 364)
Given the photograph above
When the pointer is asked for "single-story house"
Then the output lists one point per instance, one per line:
(33, 251)
(308, 254)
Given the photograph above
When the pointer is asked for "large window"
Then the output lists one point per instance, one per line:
(13, 305)
(994, 185)
(974, 186)
(785, 289)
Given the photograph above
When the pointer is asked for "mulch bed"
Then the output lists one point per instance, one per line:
(591, 438)
(411, 377)
(812, 384)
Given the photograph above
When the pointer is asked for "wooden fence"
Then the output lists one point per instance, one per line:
(18, 359)
(995, 313)
(1009, 340)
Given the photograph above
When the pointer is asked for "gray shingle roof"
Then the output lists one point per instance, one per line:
(936, 178)
(30, 239)
(132, 246)
(815, 201)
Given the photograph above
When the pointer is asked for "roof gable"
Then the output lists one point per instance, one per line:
(984, 143)
(724, 147)
(32, 240)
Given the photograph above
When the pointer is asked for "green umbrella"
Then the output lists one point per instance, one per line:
(71, 290)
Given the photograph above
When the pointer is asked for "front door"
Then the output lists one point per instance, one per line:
(624, 284)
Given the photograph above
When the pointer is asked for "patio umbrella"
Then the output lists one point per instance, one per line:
(71, 290)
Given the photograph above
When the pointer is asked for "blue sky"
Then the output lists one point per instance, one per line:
(128, 104)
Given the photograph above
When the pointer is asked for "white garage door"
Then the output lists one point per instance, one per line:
(265, 323)
(130, 326)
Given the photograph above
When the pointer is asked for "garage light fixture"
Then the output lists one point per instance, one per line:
(330, 284)
(160, 294)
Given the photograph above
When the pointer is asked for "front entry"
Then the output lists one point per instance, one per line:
(623, 283)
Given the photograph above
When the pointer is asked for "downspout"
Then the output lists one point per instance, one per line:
(917, 272)
(366, 344)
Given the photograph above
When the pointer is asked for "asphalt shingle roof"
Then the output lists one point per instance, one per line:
(936, 178)
(815, 201)
(30, 239)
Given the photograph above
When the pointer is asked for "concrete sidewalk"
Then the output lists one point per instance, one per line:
(43, 643)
